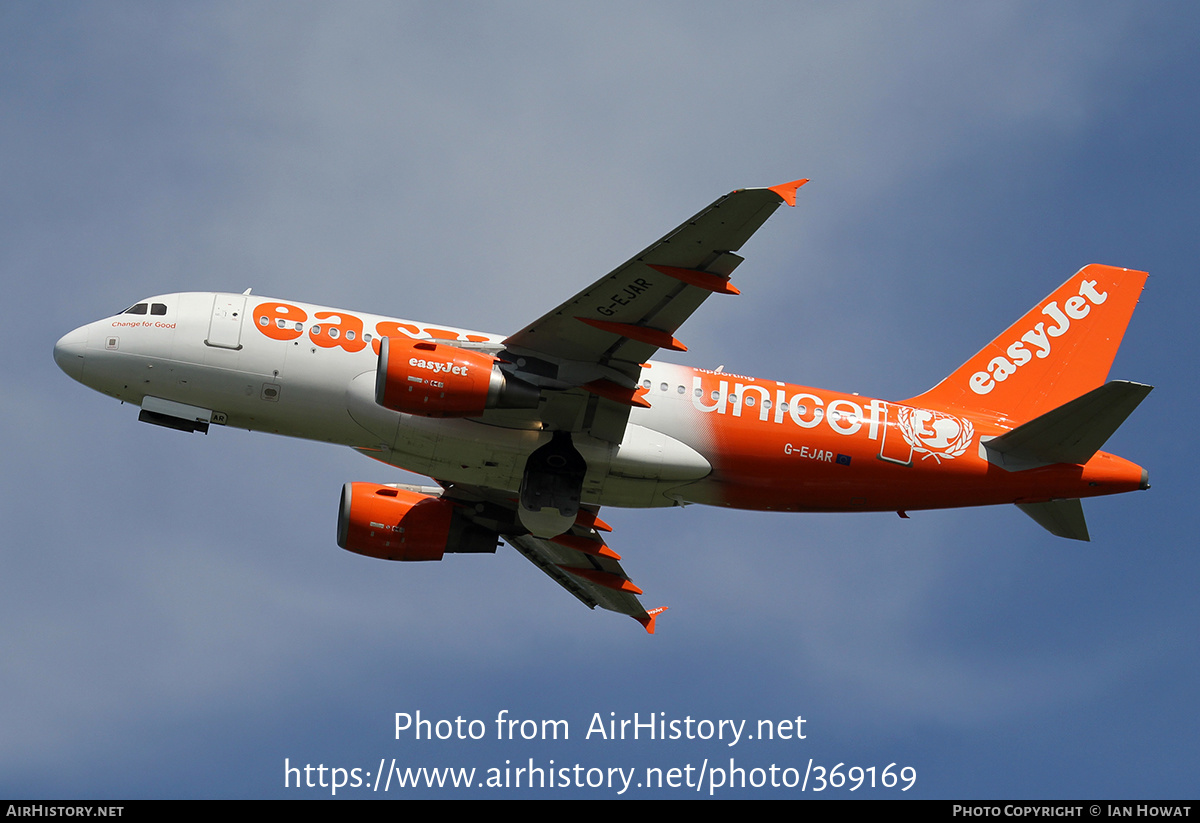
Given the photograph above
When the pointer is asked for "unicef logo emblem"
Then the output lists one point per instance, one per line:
(934, 434)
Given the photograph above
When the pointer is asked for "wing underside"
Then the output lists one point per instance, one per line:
(578, 560)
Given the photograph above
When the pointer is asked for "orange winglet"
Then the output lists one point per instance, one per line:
(788, 190)
(649, 617)
(701, 279)
(606, 579)
(616, 392)
(591, 519)
(585, 545)
(642, 334)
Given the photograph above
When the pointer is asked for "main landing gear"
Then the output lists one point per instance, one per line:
(551, 487)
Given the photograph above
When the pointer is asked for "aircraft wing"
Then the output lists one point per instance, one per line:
(595, 580)
(597, 340)
(587, 356)
(578, 560)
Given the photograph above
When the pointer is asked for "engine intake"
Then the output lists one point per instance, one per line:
(397, 524)
(437, 380)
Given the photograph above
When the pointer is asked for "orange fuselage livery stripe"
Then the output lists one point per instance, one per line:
(793, 448)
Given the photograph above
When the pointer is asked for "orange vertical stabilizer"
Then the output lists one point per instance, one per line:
(1061, 349)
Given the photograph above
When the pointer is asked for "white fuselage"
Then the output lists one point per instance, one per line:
(208, 351)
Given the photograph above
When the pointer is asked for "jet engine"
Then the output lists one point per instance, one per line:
(436, 380)
(398, 524)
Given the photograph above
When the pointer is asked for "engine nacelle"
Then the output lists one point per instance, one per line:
(397, 524)
(436, 380)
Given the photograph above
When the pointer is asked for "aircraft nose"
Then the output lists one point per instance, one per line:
(69, 351)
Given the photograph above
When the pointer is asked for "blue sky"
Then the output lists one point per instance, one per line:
(177, 617)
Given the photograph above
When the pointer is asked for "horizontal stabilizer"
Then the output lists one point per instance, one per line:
(1072, 433)
(1062, 518)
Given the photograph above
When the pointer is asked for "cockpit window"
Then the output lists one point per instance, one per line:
(158, 308)
(140, 308)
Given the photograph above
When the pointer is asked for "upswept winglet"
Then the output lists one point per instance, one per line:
(788, 190)
(647, 619)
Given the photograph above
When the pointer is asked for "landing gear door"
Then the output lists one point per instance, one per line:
(225, 328)
(893, 446)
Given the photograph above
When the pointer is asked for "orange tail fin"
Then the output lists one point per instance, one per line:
(1060, 350)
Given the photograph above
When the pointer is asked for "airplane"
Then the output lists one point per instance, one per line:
(527, 435)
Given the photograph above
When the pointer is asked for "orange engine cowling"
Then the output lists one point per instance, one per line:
(397, 524)
(437, 380)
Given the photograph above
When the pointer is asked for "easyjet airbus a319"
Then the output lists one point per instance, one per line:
(528, 435)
